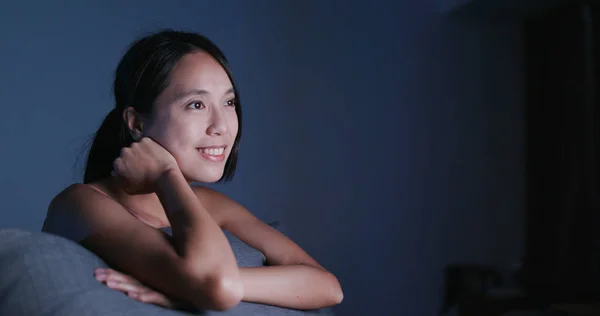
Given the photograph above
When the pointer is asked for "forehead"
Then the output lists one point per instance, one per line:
(198, 71)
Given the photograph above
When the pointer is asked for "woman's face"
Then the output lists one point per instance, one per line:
(194, 118)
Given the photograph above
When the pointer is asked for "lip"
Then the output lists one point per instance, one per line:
(212, 146)
(213, 158)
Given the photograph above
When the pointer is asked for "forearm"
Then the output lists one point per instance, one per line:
(291, 286)
(197, 237)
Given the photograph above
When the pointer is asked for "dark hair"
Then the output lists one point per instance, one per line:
(141, 76)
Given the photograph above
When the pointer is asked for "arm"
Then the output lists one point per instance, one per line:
(293, 279)
(198, 266)
(298, 286)
(200, 242)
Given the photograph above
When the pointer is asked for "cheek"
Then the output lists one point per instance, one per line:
(233, 126)
(174, 135)
(182, 138)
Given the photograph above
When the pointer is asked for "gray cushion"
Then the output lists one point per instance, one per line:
(44, 274)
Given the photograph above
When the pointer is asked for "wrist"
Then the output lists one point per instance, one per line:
(167, 179)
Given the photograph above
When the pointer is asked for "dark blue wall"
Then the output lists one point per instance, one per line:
(386, 137)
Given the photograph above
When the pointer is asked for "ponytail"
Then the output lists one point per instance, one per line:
(106, 147)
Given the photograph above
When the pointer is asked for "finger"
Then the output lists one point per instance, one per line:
(117, 165)
(148, 140)
(154, 297)
(126, 287)
(110, 270)
(100, 274)
(112, 275)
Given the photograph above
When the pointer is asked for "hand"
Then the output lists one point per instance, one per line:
(135, 289)
(141, 165)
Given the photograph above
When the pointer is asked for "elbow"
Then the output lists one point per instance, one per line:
(217, 291)
(225, 292)
(337, 295)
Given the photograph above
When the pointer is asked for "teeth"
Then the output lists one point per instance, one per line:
(213, 151)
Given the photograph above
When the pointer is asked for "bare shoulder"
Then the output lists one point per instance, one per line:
(66, 211)
(71, 198)
(65, 198)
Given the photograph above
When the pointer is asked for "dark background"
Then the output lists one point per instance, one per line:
(389, 137)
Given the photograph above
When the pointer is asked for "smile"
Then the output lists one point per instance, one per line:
(213, 153)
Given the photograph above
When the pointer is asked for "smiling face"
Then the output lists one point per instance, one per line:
(194, 118)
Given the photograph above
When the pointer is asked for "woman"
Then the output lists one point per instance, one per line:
(177, 120)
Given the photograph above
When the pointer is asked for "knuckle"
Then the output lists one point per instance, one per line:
(146, 141)
(116, 164)
(144, 297)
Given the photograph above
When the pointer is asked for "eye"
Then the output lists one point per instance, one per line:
(196, 105)
(232, 103)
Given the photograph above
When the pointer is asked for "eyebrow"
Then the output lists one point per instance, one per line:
(181, 94)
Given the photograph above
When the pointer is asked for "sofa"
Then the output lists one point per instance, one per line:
(45, 274)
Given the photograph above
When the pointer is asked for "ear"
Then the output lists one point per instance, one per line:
(134, 123)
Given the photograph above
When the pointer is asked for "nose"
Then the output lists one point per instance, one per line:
(217, 125)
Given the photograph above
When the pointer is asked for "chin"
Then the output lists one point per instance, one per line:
(204, 177)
